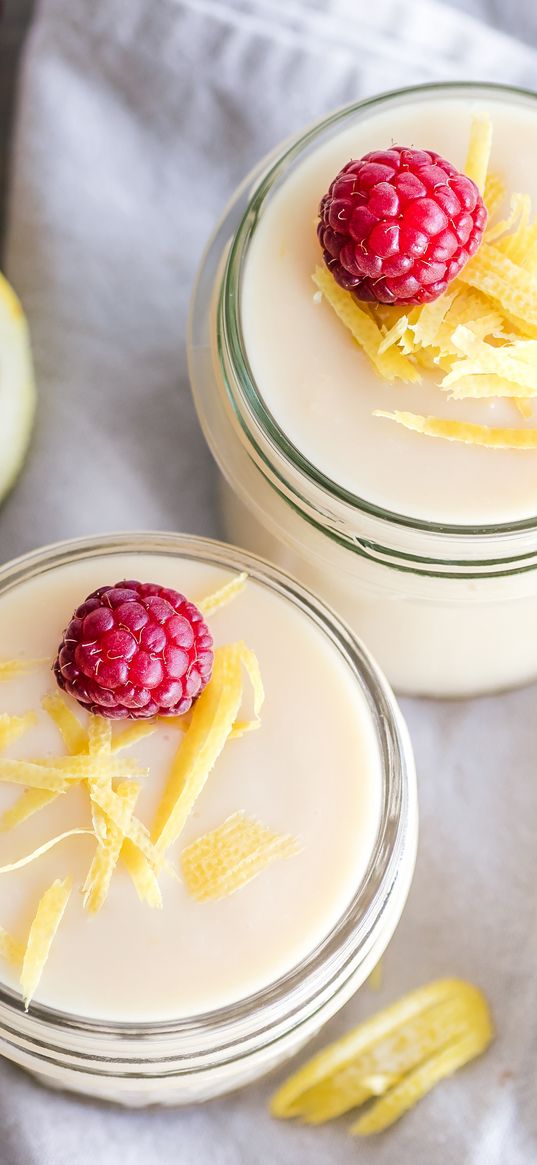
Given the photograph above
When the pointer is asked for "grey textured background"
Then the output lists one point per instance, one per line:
(517, 17)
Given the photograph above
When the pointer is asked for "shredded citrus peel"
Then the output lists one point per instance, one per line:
(91, 760)
(214, 717)
(9, 668)
(475, 337)
(396, 1056)
(228, 857)
(47, 919)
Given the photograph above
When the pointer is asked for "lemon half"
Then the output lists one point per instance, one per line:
(17, 387)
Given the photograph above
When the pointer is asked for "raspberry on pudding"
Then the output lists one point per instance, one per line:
(398, 225)
(135, 650)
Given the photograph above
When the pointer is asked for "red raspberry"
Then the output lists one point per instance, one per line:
(135, 650)
(398, 225)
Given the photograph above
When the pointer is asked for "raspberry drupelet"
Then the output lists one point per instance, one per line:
(398, 225)
(135, 650)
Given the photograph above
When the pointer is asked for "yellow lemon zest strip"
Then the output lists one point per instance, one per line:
(364, 330)
(393, 335)
(111, 805)
(468, 434)
(99, 736)
(9, 668)
(223, 595)
(213, 717)
(398, 1055)
(143, 877)
(43, 849)
(227, 858)
(478, 156)
(98, 881)
(29, 802)
(484, 358)
(13, 727)
(34, 775)
(73, 734)
(10, 949)
(48, 916)
(92, 767)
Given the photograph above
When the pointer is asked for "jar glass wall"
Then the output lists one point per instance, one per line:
(448, 610)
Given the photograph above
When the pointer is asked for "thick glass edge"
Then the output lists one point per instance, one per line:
(329, 962)
(229, 331)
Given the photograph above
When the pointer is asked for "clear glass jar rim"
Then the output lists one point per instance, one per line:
(244, 393)
(298, 991)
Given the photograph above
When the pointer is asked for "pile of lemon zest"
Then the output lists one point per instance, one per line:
(142, 875)
(397, 1055)
(482, 358)
(495, 190)
(97, 884)
(47, 919)
(13, 727)
(392, 365)
(9, 668)
(136, 731)
(213, 717)
(460, 431)
(11, 949)
(518, 217)
(393, 335)
(509, 285)
(29, 802)
(44, 849)
(72, 732)
(478, 156)
(35, 776)
(223, 595)
(227, 858)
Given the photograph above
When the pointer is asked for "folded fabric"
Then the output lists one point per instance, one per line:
(136, 118)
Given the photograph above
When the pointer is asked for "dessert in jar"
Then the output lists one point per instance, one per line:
(208, 816)
(362, 354)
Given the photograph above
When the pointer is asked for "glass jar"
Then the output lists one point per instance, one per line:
(447, 610)
(202, 1056)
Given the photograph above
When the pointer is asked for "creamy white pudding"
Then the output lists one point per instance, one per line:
(319, 386)
(427, 547)
(315, 769)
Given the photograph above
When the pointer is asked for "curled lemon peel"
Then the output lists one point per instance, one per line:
(483, 435)
(72, 732)
(47, 919)
(396, 1056)
(222, 861)
(224, 595)
(97, 884)
(44, 849)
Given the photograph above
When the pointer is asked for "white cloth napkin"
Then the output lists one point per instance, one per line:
(136, 119)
